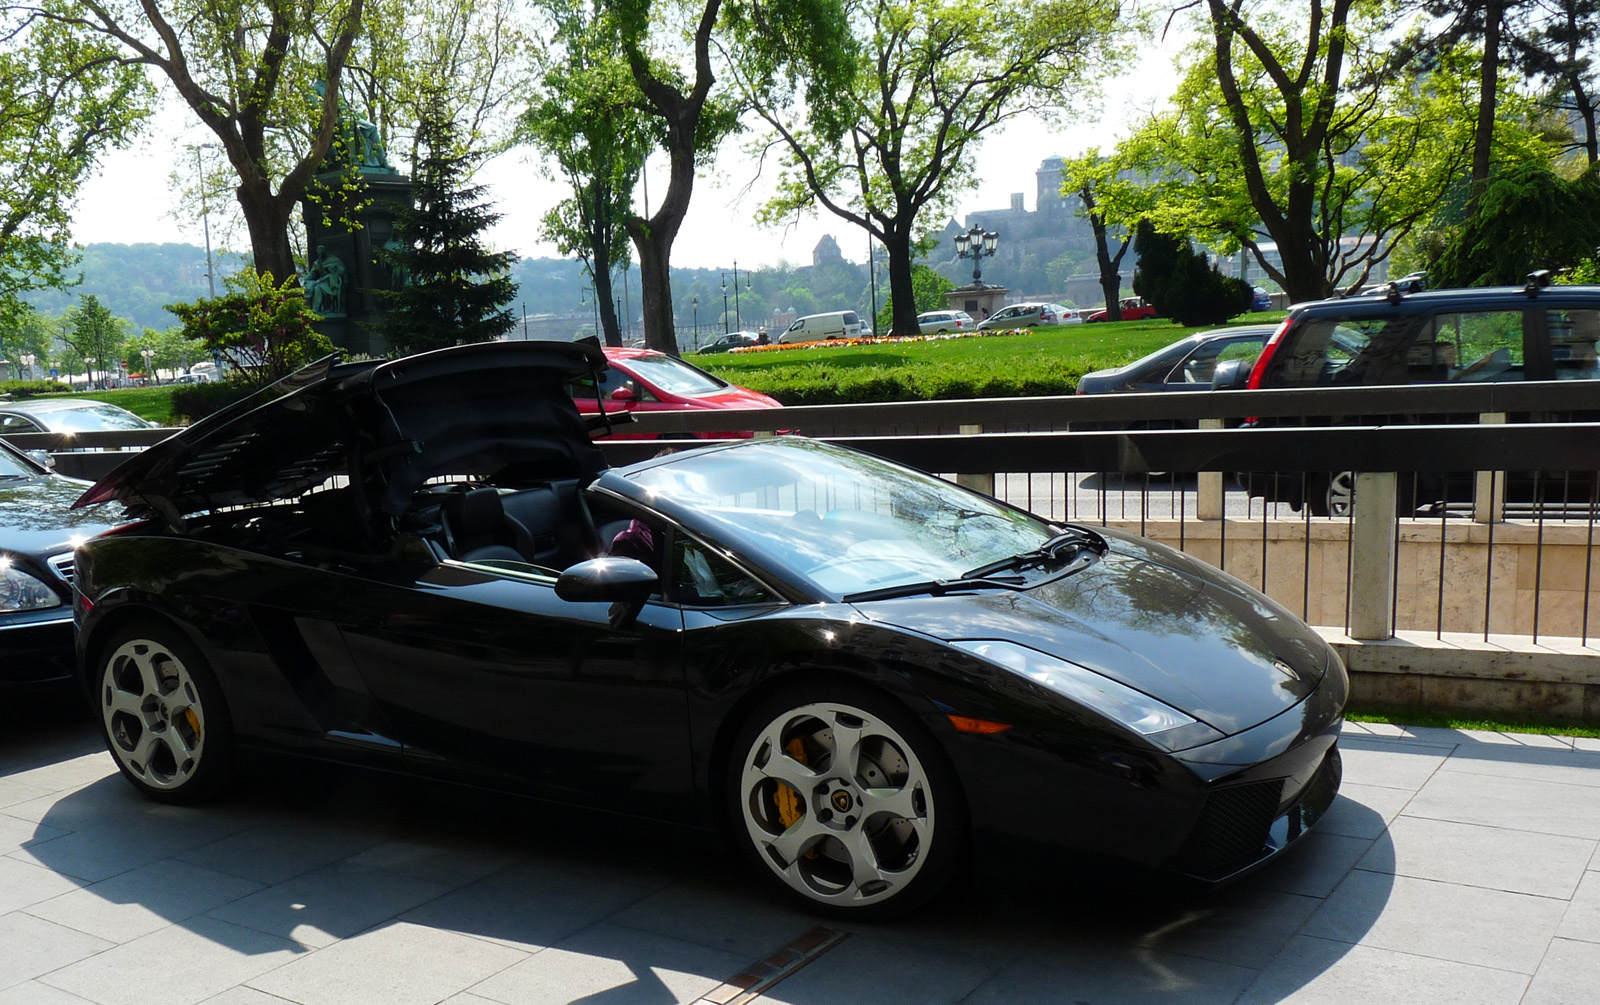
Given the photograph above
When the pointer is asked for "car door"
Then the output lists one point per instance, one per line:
(1194, 372)
(488, 677)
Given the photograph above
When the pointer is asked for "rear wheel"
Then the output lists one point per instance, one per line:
(844, 799)
(163, 715)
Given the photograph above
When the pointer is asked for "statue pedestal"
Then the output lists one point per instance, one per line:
(980, 301)
(349, 303)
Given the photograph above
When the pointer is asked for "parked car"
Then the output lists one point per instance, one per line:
(823, 327)
(732, 340)
(1029, 316)
(38, 531)
(1536, 332)
(66, 415)
(857, 669)
(644, 380)
(1260, 300)
(1132, 309)
(944, 322)
(1193, 363)
(197, 377)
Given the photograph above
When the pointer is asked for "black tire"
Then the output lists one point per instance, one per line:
(870, 840)
(162, 714)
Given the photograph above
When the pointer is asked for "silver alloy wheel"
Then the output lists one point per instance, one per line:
(838, 805)
(1341, 493)
(152, 714)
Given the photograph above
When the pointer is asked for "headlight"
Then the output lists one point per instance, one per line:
(1156, 721)
(22, 592)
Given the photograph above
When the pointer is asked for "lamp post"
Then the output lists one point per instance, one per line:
(725, 301)
(27, 359)
(148, 355)
(697, 320)
(976, 244)
(205, 216)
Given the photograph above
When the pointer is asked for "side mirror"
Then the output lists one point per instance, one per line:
(1232, 375)
(43, 457)
(623, 394)
(625, 582)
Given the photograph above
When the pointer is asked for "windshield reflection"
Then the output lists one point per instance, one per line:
(846, 521)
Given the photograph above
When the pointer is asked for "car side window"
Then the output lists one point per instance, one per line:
(17, 424)
(1343, 351)
(701, 578)
(1475, 346)
(1573, 336)
(1200, 366)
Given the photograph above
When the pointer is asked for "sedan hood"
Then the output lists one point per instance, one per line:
(1153, 619)
(35, 518)
(733, 397)
(386, 425)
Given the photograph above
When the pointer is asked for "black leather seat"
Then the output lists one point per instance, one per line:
(477, 528)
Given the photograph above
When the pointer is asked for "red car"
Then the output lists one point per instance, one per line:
(1133, 309)
(644, 380)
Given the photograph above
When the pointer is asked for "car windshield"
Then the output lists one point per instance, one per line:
(89, 418)
(674, 376)
(848, 522)
(12, 466)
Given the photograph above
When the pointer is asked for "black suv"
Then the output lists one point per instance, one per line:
(1536, 332)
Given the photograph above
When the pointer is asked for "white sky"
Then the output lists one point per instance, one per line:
(130, 201)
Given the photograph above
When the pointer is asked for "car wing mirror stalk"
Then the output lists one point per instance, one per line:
(1232, 374)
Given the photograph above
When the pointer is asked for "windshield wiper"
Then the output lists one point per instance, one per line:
(936, 588)
(1059, 550)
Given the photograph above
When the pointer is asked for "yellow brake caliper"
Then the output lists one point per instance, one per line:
(194, 721)
(787, 799)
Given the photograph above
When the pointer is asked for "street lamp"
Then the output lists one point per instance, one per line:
(205, 216)
(725, 300)
(27, 359)
(148, 355)
(697, 320)
(975, 244)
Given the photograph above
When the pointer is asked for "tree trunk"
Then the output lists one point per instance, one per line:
(268, 222)
(655, 290)
(1488, 88)
(1110, 266)
(610, 330)
(902, 294)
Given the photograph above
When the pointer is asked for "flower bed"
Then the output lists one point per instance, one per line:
(875, 340)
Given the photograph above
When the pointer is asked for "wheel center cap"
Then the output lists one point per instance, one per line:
(842, 801)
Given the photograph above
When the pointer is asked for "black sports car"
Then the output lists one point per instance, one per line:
(857, 669)
(38, 531)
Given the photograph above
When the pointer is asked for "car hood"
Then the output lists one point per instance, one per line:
(36, 519)
(1153, 619)
(388, 426)
(732, 397)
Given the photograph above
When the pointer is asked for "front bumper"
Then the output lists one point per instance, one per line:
(38, 649)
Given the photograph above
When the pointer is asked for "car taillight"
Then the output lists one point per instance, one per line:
(1259, 371)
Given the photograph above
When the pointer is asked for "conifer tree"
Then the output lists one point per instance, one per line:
(455, 290)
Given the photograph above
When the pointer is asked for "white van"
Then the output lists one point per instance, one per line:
(818, 327)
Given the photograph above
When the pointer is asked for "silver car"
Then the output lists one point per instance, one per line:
(944, 322)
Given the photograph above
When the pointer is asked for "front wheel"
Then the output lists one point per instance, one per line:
(1333, 494)
(843, 798)
(163, 716)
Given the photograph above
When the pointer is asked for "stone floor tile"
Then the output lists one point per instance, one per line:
(1571, 767)
(1512, 803)
(82, 806)
(748, 922)
(1390, 765)
(1507, 931)
(1091, 972)
(450, 864)
(1589, 743)
(13, 792)
(34, 993)
(531, 905)
(886, 972)
(178, 965)
(1312, 971)
(1383, 728)
(17, 833)
(329, 904)
(30, 947)
(242, 995)
(1553, 741)
(1444, 736)
(119, 843)
(1474, 855)
(1246, 927)
(1362, 811)
(143, 900)
(281, 849)
(1315, 865)
(71, 773)
(616, 965)
(398, 964)
(1569, 974)
(24, 883)
(1582, 920)
(1349, 728)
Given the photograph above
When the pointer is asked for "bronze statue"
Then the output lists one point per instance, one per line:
(324, 284)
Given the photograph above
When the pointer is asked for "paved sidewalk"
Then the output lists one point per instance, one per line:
(1457, 867)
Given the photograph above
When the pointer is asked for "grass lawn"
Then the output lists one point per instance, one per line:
(150, 403)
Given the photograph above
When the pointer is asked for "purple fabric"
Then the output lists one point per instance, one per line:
(637, 540)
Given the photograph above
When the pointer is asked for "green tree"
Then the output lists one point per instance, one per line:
(246, 71)
(1527, 218)
(1182, 284)
(584, 118)
(64, 101)
(95, 336)
(1114, 200)
(458, 290)
(1290, 129)
(261, 325)
(895, 143)
(928, 290)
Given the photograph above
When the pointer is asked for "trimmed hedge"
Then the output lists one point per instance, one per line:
(821, 384)
(31, 388)
(191, 402)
